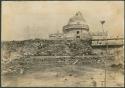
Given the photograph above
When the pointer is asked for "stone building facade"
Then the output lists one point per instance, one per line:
(76, 28)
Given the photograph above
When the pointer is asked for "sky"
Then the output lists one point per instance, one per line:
(23, 20)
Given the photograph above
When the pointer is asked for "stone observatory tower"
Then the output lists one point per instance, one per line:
(76, 28)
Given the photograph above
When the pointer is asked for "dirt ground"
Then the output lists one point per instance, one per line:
(64, 76)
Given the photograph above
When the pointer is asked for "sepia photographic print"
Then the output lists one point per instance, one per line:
(62, 44)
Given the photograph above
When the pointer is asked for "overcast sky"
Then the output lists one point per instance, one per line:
(37, 19)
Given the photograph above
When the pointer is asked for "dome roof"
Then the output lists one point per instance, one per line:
(76, 22)
(77, 19)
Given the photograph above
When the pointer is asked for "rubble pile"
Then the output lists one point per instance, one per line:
(18, 56)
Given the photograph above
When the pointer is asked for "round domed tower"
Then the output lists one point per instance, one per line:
(76, 28)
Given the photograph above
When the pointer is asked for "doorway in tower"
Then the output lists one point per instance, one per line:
(78, 37)
(77, 32)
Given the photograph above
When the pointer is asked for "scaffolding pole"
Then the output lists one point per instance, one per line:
(106, 56)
